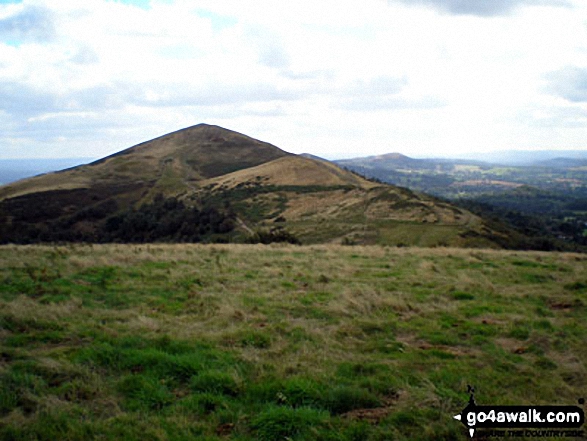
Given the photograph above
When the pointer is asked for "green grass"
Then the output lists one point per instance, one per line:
(247, 342)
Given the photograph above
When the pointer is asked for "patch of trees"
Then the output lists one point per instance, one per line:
(163, 220)
(529, 200)
(530, 231)
(358, 171)
(168, 220)
(423, 182)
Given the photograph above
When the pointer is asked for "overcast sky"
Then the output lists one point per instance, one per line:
(336, 78)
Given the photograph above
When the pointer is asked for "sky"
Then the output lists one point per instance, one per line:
(335, 78)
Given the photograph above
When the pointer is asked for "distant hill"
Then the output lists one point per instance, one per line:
(515, 158)
(525, 157)
(561, 162)
(207, 183)
(392, 161)
(455, 178)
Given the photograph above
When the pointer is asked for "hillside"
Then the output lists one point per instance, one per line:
(544, 199)
(192, 342)
(206, 183)
(12, 170)
(167, 164)
(292, 170)
(320, 202)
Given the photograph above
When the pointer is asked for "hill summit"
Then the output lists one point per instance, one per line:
(202, 151)
(207, 183)
(173, 160)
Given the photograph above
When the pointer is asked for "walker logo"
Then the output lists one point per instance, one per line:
(555, 418)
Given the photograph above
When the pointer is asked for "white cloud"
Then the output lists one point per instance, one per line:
(333, 78)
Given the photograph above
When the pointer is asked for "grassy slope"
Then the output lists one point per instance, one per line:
(254, 342)
(320, 203)
(293, 170)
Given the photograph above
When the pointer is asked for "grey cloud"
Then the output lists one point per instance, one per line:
(383, 85)
(375, 103)
(236, 111)
(323, 75)
(32, 23)
(273, 55)
(76, 134)
(210, 95)
(271, 52)
(23, 100)
(98, 97)
(43, 116)
(374, 94)
(85, 55)
(70, 126)
(272, 111)
(569, 83)
(483, 8)
(562, 117)
(382, 93)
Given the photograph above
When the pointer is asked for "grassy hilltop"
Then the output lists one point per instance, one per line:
(251, 342)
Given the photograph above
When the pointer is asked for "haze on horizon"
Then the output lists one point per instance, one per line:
(426, 78)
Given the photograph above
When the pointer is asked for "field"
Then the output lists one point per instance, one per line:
(253, 342)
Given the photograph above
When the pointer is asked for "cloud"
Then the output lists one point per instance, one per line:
(571, 117)
(27, 102)
(269, 46)
(382, 85)
(390, 103)
(381, 93)
(569, 83)
(272, 55)
(177, 94)
(85, 55)
(111, 74)
(32, 23)
(483, 8)
(23, 101)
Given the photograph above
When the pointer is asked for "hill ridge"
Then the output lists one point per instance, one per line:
(236, 184)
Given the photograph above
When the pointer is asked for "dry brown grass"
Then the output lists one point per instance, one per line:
(292, 170)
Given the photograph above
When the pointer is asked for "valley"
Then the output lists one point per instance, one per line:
(545, 199)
